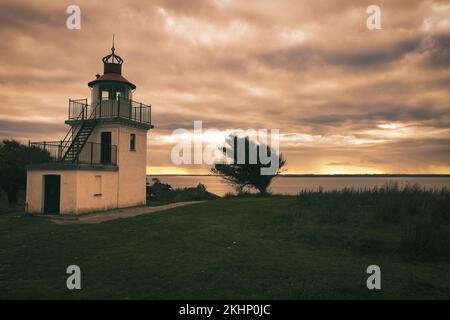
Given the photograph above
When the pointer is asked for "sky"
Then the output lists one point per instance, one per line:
(344, 98)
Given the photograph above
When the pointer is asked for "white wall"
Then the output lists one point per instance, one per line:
(79, 192)
(132, 167)
(132, 164)
(90, 196)
(35, 190)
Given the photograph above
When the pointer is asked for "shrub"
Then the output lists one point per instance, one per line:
(164, 192)
(14, 157)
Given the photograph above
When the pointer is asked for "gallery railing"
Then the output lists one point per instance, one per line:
(117, 108)
(92, 153)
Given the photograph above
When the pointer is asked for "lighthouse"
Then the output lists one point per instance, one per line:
(100, 164)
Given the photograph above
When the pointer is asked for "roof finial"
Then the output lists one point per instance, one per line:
(113, 49)
(112, 58)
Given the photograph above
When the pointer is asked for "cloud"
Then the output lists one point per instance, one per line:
(437, 51)
(388, 113)
(310, 69)
(22, 129)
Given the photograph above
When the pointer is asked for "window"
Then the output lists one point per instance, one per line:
(98, 186)
(132, 142)
(105, 95)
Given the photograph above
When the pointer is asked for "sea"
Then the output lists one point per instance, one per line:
(292, 185)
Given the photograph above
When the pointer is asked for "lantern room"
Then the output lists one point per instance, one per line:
(111, 85)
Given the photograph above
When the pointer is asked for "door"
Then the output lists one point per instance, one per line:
(52, 191)
(105, 153)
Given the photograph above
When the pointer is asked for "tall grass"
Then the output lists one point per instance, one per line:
(421, 217)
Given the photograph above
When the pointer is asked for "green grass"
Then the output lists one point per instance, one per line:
(276, 247)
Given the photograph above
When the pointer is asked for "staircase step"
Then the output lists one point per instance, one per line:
(77, 144)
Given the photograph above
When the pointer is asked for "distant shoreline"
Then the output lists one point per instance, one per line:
(322, 175)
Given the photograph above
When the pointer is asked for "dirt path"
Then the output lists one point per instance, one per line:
(121, 213)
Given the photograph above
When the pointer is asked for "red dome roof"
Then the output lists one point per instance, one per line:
(115, 77)
(112, 70)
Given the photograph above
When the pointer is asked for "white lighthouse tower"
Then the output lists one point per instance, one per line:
(101, 162)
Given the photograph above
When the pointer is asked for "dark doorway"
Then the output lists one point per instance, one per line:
(105, 153)
(52, 190)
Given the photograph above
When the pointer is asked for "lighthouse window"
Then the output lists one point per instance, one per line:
(105, 95)
(132, 142)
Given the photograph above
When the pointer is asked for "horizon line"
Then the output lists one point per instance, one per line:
(320, 174)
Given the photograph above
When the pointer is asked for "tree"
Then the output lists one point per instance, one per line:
(14, 156)
(248, 174)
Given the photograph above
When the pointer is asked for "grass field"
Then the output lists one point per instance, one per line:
(277, 247)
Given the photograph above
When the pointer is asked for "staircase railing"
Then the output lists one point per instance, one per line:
(92, 153)
(52, 147)
(114, 108)
(66, 142)
(74, 131)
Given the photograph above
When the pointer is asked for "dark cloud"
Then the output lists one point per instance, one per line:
(437, 51)
(11, 129)
(304, 56)
(26, 15)
(374, 57)
(393, 113)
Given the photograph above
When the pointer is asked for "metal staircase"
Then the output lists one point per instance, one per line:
(76, 138)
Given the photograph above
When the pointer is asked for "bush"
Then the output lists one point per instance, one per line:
(14, 157)
(159, 191)
(246, 194)
(164, 192)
